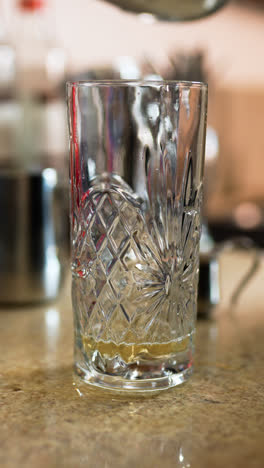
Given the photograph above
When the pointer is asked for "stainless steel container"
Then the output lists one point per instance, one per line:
(33, 235)
(172, 10)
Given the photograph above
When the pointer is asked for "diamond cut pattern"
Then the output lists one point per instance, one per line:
(129, 215)
(119, 235)
(108, 211)
(98, 232)
(108, 302)
(120, 281)
(107, 257)
(119, 324)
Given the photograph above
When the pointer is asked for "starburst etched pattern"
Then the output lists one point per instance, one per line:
(135, 274)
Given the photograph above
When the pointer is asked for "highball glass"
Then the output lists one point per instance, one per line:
(136, 168)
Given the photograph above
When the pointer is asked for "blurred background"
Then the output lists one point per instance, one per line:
(45, 42)
(225, 49)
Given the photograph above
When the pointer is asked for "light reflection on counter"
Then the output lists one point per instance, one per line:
(52, 329)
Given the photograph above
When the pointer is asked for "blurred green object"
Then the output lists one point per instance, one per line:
(171, 10)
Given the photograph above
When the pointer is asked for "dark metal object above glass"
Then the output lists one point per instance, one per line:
(171, 10)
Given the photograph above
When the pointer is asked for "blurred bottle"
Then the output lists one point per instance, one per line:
(8, 107)
(34, 237)
(41, 60)
(40, 138)
(7, 56)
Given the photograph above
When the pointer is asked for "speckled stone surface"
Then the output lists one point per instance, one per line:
(47, 419)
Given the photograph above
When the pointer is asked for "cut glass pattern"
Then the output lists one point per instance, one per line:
(135, 273)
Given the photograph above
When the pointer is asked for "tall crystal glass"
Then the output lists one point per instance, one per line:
(136, 169)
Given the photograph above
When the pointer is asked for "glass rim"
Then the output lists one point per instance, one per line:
(141, 83)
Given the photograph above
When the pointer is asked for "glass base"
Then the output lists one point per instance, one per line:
(142, 376)
(109, 382)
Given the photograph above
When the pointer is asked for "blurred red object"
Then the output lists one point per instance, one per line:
(31, 4)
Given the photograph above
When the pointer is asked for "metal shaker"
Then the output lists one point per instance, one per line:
(34, 242)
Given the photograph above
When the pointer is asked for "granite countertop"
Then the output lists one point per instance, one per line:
(47, 419)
